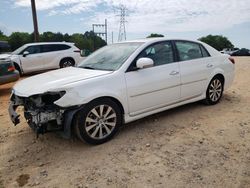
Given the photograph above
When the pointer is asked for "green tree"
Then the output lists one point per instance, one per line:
(66, 37)
(17, 39)
(78, 39)
(88, 40)
(219, 42)
(3, 37)
(47, 37)
(153, 35)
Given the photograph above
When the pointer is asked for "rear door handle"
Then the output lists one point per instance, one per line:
(174, 73)
(209, 65)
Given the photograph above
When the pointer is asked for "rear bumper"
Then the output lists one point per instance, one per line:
(9, 78)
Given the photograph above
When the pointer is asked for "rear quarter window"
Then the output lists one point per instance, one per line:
(63, 47)
(188, 50)
(204, 51)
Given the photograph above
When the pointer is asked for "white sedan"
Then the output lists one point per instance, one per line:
(121, 83)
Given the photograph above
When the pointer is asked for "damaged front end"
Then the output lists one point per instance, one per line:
(41, 113)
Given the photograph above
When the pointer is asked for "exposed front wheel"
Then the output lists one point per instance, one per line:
(214, 91)
(98, 121)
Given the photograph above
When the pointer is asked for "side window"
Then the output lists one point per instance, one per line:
(204, 52)
(47, 48)
(161, 53)
(63, 47)
(33, 49)
(188, 50)
(54, 47)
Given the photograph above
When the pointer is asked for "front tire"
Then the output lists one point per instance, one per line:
(98, 121)
(214, 91)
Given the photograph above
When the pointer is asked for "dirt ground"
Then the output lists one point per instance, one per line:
(190, 146)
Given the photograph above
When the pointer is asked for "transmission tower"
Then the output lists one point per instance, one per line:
(122, 31)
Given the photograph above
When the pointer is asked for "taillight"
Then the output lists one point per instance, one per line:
(77, 51)
(232, 60)
(11, 69)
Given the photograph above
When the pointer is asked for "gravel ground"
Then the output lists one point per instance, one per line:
(190, 146)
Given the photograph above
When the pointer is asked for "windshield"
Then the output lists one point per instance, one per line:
(18, 50)
(110, 57)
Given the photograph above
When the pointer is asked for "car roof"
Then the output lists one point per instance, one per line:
(43, 43)
(158, 39)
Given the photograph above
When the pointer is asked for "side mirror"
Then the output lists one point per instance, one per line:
(25, 53)
(144, 63)
(85, 53)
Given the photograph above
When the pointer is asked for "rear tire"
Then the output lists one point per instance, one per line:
(67, 62)
(98, 121)
(214, 91)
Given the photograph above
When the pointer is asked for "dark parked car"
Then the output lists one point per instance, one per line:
(241, 52)
(8, 73)
(4, 47)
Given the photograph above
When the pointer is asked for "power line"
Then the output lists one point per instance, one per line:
(122, 29)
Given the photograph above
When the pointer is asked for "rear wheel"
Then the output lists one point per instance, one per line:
(214, 91)
(98, 121)
(68, 62)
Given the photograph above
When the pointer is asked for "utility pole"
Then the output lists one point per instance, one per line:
(103, 33)
(122, 30)
(36, 33)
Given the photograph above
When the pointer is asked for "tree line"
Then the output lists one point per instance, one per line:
(88, 41)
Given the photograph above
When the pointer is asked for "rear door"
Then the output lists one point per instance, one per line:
(33, 61)
(52, 54)
(195, 68)
(154, 87)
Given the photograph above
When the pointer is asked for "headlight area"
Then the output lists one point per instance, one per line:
(40, 112)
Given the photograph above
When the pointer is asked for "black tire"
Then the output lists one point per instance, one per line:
(87, 130)
(67, 62)
(214, 91)
(18, 69)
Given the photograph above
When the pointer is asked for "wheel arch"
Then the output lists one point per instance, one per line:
(64, 58)
(220, 76)
(113, 99)
(18, 68)
(70, 116)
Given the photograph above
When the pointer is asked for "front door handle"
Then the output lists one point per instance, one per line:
(209, 65)
(174, 73)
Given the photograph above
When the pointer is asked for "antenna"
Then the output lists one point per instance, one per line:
(122, 31)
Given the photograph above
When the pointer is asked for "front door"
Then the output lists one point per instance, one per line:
(154, 87)
(32, 61)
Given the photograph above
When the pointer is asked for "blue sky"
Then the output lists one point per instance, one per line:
(189, 19)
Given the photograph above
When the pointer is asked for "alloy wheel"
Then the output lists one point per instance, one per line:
(215, 90)
(100, 121)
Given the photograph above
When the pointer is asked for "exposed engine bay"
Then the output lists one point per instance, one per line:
(40, 112)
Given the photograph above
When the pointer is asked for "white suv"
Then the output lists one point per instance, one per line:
(35, 57)
(121, 83)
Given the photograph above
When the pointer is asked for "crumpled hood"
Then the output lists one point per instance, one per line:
(54, 79)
